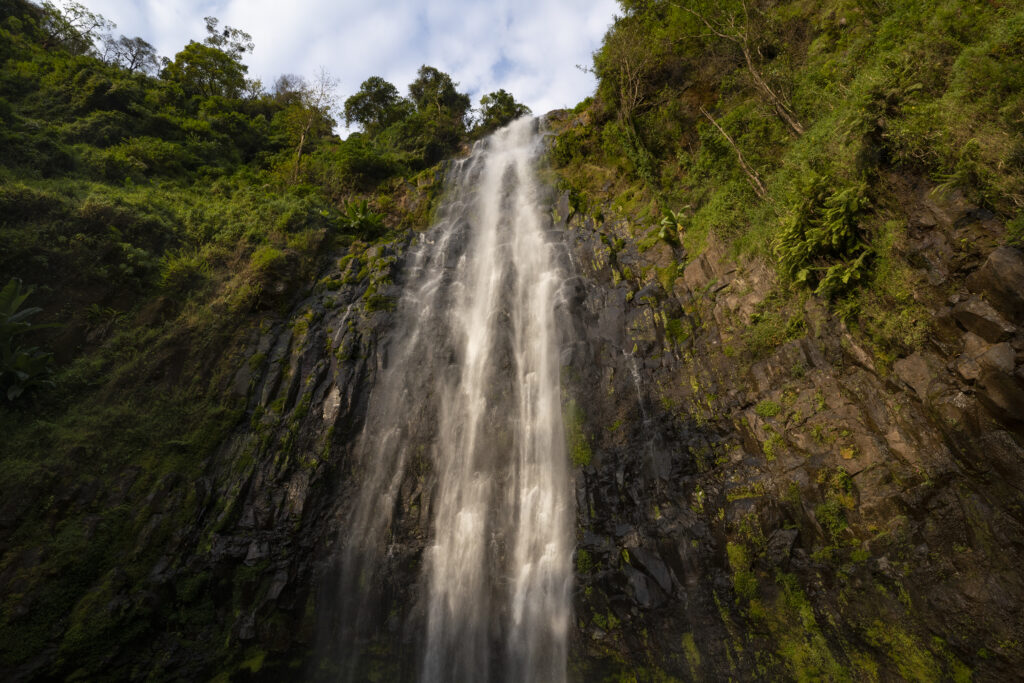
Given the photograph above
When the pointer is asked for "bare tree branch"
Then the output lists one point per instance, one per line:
(755, 179)
(319, 100)
(740, 36)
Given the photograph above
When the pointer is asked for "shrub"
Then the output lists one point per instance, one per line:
(266, 260)
(183, 270)
(360, 219)
(767, 408)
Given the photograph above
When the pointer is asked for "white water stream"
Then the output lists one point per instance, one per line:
(472, 387)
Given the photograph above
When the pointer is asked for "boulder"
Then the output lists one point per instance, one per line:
(652, 563)
(780, 546)
(1003, 393)
(979, 356)
(1001, 280)
(978, 316)
(917, 372)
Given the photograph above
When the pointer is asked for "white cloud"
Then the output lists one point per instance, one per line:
(528, 47)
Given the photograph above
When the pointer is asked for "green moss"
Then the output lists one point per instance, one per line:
(253, 662)
(767, 408)
(755, 490)
(256, 361)
(379, 302)
(584, 562)
(677, 331)
(831, 515)
(800, 643)
(911, 658)
(577, 442)
(744, 581)
(771, 327)
(773, 445)
(667, 276)
(692, 654)
(607, 622)
(793, 497)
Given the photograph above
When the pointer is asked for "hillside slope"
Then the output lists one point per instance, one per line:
(800, 435)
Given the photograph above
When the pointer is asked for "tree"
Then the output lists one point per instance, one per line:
(214, 67)
(376, 106)
(433, 91)
(133, 54)
(497, 109)
(288, 89)
(754, 176)
(311, 114)
(73, 27)
(206, 71)
(628, 67)
(625, 64)
(230, 40)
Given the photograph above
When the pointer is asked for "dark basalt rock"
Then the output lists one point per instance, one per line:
(1001, 280)
(702, 518)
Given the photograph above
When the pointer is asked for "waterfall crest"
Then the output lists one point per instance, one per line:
(471, 397)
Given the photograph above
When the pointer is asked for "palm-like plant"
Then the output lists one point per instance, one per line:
(360, 218)
(21, 367)
(672, 226)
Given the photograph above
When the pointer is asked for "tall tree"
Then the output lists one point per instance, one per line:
(498, 109)
(313, 114)
(214, 67)
(205, 71)
(625, 65)
(433, 91)
(288, 89)
(377, 105)
(133, 54)
(233, 41)
(74, 27)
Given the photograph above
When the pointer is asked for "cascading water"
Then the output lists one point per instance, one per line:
(471, 395)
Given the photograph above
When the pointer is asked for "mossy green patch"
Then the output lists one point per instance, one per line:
(576, 438)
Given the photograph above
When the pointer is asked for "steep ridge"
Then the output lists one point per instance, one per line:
(798, 512)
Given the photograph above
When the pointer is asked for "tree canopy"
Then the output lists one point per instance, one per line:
(433, 91)
(498, 109)
(206, 71)
(377, 105)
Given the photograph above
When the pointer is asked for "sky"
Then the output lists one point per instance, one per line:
(531, 48)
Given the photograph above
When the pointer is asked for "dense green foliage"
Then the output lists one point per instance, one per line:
(779, 127)
(402, 134)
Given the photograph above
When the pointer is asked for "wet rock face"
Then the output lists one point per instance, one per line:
(774, 511)
(726, 492)
(272, 497)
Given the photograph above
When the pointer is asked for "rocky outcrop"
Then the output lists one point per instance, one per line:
(797, 506)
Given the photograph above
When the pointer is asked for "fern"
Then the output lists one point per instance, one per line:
(822, 244)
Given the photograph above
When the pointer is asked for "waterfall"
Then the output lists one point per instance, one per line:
(471, 399)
